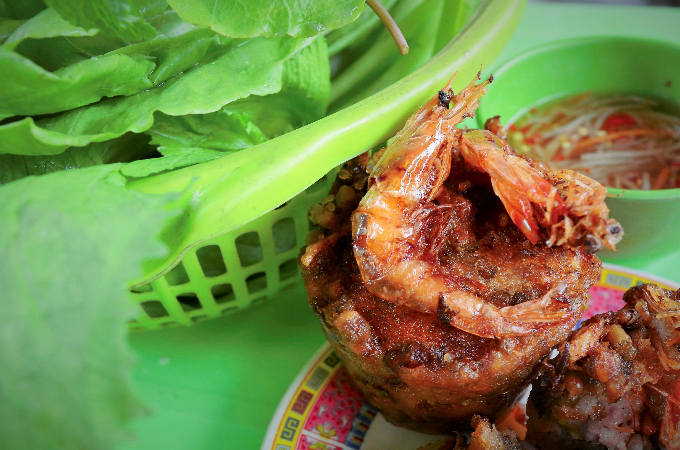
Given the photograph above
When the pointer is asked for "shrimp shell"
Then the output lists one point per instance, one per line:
(389, 226)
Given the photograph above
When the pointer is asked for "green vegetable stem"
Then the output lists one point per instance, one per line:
(391, 25)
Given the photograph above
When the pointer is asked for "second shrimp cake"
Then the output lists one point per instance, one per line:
(447, 275)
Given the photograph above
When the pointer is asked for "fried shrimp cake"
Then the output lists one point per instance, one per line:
(448, 274)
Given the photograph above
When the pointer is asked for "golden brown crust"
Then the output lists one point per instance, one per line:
(615, 382)
(419, 371)
(484, 437)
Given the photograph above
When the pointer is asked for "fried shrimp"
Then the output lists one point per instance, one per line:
(392, 227)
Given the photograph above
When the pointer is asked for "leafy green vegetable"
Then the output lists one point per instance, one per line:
(7, 27)
(60, 51)
(45, 24)
(119, 18)
(270, 18)
(148, 8)
(222, 130)
(28, 89)
(169, 24)
(303, 97)
(176, 54)
(173, 158)
(254, 67)
(128, 147)
(70, 243)
(25, 137)
(24, 9)
(192, 139)
(54, 53)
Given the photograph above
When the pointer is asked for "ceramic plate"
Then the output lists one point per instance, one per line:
(323, 411)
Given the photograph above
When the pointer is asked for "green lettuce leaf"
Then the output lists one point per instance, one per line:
(269, 18)
(28, 89)
(45, 24)
(169, 24)
(71, 242)
(173, 158)
(128, 147)
(119, 18)
(192, 139)
(177, 54)
(187, 140)
(253, 67)
(7, 27)
(222, 130)
(303, 97)
(22, 10)
(147, 8)
(59, 52)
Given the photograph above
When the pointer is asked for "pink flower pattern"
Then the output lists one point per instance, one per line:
(603, 299)
(333, 413)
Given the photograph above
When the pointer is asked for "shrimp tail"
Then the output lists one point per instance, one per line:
(483, 319)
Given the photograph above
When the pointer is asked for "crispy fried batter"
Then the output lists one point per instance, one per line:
(484, 437)
(420, 371)
(615, 383)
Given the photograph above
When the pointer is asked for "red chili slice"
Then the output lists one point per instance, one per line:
(617, 121)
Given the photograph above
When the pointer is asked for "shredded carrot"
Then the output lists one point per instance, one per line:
(627, 142)
(662, 179)
(584, 144)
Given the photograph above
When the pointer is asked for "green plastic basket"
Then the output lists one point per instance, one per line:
(233, 244)
(232, 271)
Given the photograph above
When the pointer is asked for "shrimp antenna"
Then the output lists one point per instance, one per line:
(391, 25)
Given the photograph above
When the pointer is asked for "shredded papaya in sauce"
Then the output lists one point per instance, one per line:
(626, 142)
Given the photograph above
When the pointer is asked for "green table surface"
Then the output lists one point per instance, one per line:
(216, 385)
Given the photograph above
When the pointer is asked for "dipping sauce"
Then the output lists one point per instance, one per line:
(622, 141)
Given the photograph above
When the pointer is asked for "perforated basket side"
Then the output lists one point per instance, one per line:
(232, 271)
